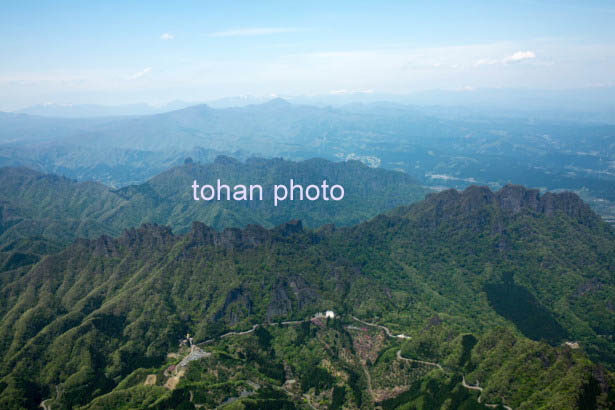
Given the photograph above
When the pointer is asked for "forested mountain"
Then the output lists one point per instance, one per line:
(59, 209)
(484, 286)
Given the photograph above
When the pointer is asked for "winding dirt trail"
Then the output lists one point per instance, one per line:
(386, 329)
(245, 332)
(438, 365)
(254, 327)
(463, 381)
(469, 386)
(400, 357)
(480, 389)
(44, 404)
(367, 375)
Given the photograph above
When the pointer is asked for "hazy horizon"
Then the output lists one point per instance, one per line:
(117, 53)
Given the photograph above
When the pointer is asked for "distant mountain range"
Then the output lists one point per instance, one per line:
(97, 110)
(582, 105)
(487, 285)
(439, 147)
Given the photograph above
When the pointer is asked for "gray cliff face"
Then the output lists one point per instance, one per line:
(510, 200)
(515, 199)
(237, 306)
(292, 295)
(281, 304)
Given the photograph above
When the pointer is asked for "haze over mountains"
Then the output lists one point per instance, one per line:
(106, 259)
(97, 110)
(511, 288)
(589, 104)
(438, 147)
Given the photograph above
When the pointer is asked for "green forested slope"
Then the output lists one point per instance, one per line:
(59, 209)
(537, 268)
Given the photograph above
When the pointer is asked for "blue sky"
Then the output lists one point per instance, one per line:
(127, 51)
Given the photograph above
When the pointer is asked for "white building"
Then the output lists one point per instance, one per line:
(327, 314)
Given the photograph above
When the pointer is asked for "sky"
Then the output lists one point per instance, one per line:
(117, 52)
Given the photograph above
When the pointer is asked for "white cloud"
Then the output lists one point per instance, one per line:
(520, 56)
(387, 68)
(513, 58)
(140, 74)
(167, 36)
(249, 32)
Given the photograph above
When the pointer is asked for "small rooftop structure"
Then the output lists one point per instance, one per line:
(327, 314)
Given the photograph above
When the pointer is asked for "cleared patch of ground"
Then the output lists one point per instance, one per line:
(150, 380)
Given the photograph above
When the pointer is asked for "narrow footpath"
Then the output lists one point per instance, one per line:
(438, 365)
